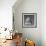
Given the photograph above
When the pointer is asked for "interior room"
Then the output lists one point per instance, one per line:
(22, 22)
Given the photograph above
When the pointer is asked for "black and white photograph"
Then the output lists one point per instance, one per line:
(29, 20)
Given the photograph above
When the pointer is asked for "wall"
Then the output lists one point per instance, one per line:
(6, 13)
(43, 22)
(28, 6)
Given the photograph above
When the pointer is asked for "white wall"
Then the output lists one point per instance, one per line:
(43, 22)
(28, 6)
(6, 13)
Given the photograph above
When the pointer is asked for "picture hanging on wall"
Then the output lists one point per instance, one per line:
(29, 20)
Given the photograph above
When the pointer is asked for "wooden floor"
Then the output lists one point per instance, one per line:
(9, 43)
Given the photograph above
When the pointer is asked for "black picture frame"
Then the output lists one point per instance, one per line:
(29, 20)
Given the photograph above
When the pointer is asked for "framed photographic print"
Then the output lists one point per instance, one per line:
(29, 20)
